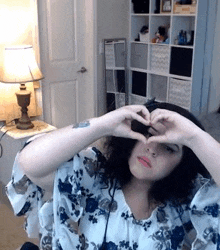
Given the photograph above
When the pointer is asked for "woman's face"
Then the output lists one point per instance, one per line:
(154, 161)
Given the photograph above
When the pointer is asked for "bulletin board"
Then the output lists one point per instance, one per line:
(115, 73)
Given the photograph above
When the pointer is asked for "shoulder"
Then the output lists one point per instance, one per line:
(84, 169)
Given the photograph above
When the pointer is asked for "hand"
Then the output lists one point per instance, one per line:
(119, 121)
(171, 127)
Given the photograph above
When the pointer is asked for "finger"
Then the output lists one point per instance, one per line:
(133, 116)
(162, 118)
(140, 109)
(145, 113)
(154, 113)
(157, 128)
(159, 113)
(138, 136)
(157, 138)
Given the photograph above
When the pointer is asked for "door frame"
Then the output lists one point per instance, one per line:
(208, 55)
(90, 52)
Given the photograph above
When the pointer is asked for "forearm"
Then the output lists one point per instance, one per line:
(45, 154)
(207, 150)
(40, 159)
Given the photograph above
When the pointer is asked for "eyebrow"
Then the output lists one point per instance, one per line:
(170, 144)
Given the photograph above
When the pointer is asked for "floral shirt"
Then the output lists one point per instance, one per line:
(82, 197)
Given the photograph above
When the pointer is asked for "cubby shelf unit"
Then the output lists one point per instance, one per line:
(168, 71)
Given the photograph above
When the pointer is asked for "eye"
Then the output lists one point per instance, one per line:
(169, 149)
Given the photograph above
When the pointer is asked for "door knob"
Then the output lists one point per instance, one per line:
(82, 70)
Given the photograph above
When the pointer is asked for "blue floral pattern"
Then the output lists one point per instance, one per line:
(76, 216)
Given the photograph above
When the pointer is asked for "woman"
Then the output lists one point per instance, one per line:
(146, 195)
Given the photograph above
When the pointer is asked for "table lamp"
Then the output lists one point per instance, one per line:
(19, 66)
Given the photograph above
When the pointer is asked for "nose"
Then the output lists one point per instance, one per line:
(152, 149)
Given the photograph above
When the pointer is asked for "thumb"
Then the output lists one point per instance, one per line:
(157, 138)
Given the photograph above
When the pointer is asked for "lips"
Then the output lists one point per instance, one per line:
(144, 161)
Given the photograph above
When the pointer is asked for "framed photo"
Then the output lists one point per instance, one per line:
(165, 6)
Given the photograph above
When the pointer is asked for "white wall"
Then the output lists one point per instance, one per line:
(112, 22)
(214, 94)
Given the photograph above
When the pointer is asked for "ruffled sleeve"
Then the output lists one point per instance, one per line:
(25, 198)
(56, 220)
(205, 215)
(73, 183)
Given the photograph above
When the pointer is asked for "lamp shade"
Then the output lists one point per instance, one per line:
(19, 65)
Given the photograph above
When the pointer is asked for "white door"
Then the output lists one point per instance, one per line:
(68, 94)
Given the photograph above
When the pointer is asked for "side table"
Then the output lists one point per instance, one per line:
(13, 141)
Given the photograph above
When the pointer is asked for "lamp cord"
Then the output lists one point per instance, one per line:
(1, 147)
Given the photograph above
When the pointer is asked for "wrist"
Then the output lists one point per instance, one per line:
(101, 126)
(196, 138)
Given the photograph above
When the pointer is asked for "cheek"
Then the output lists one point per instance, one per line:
(131, 161)
(168, 164)
(173, 162)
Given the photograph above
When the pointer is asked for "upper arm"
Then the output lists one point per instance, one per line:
(45, 182)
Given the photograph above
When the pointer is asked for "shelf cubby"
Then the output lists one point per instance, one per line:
(139, 55)
(158, 87)
(137, 23)
(181, 61)
(139, 83)
(185, 23)
(157, 21)
(179, 92)
(159, 58)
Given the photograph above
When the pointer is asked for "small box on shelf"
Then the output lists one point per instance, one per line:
(165, 6)
(184, 8)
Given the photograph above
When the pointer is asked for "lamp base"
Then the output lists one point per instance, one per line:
(23, 125)
(23, 97)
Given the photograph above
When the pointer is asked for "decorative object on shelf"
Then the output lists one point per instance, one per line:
(20, 66)
(184, 8)
(182, 38)
(140, 6)
(185, 38)
(191, 40)
(160, 35)
(165, 6)
(144, 34)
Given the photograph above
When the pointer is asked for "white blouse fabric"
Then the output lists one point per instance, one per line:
(80, 196)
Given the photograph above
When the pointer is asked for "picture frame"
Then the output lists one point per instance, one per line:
(166, 6)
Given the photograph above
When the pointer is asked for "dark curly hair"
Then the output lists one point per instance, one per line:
(178, 185)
